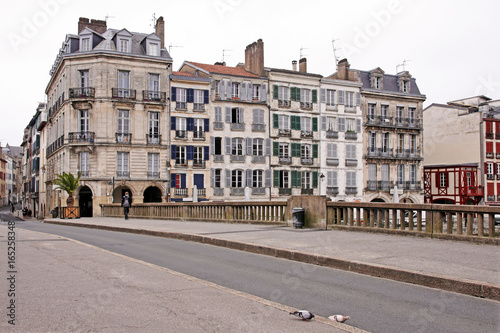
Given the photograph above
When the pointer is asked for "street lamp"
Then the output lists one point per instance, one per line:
(321, 178)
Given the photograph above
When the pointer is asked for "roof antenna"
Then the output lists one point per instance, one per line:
(171, 46)
(224, 54)
(107, 17)
(301, 53)
(335, 53)
(402, 65)
(153, 19)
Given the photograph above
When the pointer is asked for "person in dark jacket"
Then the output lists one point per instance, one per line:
(126, 204)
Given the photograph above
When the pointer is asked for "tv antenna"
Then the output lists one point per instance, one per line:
(171, 46)
(402, 65)
(107, 17)
(301, 53)
(335, 53)
(224, 54)
(153, 19)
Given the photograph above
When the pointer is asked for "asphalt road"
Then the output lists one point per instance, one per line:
(374, 304)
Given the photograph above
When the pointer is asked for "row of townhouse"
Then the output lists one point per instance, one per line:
(12, 156)
(120, 116)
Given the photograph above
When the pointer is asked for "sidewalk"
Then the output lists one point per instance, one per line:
(66, 286)
(455, 266)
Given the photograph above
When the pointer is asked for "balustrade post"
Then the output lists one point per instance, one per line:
(351, 216)
(402, 220)
(491, 225)
(429, 224)
(459, 224)
(449, 223)
(372, 218)
(394, 218)
(470, 222)
(344, 216)
(387, 218)
(338, 222)
(379, 218)
(410, 220)
(480, 225)
(358, 217)
(365, 217)
(419, 220)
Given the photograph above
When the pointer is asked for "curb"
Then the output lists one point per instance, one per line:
(448, 283)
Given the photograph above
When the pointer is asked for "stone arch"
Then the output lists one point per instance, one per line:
(119, 192)
(85, 202)
(152, 194)
(444, 201)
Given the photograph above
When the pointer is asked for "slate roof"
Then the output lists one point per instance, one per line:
(390, 83)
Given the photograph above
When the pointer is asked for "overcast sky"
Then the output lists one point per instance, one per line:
(451, 47)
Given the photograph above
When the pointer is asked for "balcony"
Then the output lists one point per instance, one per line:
(284, 104)
(306, 161)
(81, 137)
(490, 176)
(306, 105)
(306, 134)
(489, 154)
(306, 191)
(237, 158)
(237, 191)
(218, 125)
(153, 139)
(199, 135)
(350, 162)
(87, 92)
(413, 186)
(219, 158)
(351, 190)
(284, 132)
(285, 191)
(351, 135)
(258, 159)
(332, 190)
(384, 185)
(85, 173)
(200, 164)
(181, 192)
(198, 107)
(285, 160)
(202, 192)
(125, 94)
(490, 198)
(332, 161)
(237, 126)
(258, 127)
(259, 190)
(181, 134)
(153, 175)
(385, 152)
(181, 163)
(180, 106)
(372, 185)
(125, 138)
(381, 121)
(474, 191)
(154, 96)
(123, 174)
(332, 134)
(218, 191)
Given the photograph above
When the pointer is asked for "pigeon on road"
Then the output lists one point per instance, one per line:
(303, 314)
(339, 318)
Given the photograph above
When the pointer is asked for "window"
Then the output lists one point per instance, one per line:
(305, 123)
(258, 117)
(153, 165)
(84, 79)
(257, 178)
(331, 178)
(218, 178)
(385, 172)
(198, 96)
(489, 168)
(237, 146)
(284, 150)
(372, 172)
(401, 175)
(237, 179)
(235, 90)
(283, 122)
(284, 179)
(399, 114)
(384, 111)
(411, 115)
(84, 164)
(124, 84)
(306, 180)
(258, 147)
(283, 94)
(199, 129)
(401, 143)
(217, 146)
(154, 127)
(413, 144)
(405, 86)
(237, 116)
(154, 85)
(330, 124)
(385, 142)
(305, 95)
(331, 151)
(123, 45)
(443, 179)
(350, 152)
(351, 179)
(180, 98)
(413, 174)
(153, 49)
(306, 151)
(377, 82)
(372, 142)
(123, 121)
(371, 111)
(84, 121)
(85, 44)
(122, 165)
(330, 97)
(198, 156)
(349, 99)
(256, 92)
(218, 114)
(351, 124)
(180, 156)
(217, 88)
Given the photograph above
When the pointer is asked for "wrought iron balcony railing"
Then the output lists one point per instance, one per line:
(121, 93)
(81, 137)
(154, 96)
(85, 92)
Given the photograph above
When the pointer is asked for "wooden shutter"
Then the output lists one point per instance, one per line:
(174, 94)
(228, 114)
(358, 125)
(315, 96)
(173, 150)
(315, 150)
(212, 144)
(172, 123)
(190, 152)
(249, 147)
(276, 123)
(206, 125)
(249, 91)
(228, 178)
(263, 94)
(341, 97)
(275, 91)
(206, 153)
(243, 91)
(315, 124)
(276, 178)
(248, 177)
(268, 147)
(322, 96)
(268, 177)
(315, 179)
(276, 148)
(205, 96)
(358, 99)
(228, 146)
(212, 178)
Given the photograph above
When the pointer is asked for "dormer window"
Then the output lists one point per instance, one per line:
(404, 82)
(123, 45)
(153, 49)
(377, 82)
(123, 41)
(377, 78)
(405, 86)
(152, 45)
(85, 44)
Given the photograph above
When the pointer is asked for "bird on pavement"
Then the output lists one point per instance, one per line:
(339, 318)
(303, 314)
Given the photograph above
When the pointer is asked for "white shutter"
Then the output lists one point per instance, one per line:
(323, 123)
(228, 114)
(228, 146)
(212, 178)
(228, 178)
(268, 147)
(249, 92)
(212, 145)
(244, 91)
(268, 178)
(248, 173)
(249, 147)
(322, 96)
(263, 95)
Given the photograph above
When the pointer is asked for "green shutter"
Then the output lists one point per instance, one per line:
(315, 96)
(294, 178)
(276, 123)
(315, 150)
(297, 122)
(315, 124)
(276, 148)
(296, 147)
(276, 178)
(299, 179)
(297, 94)
(293, 93)
(315, 179)
(275, 91)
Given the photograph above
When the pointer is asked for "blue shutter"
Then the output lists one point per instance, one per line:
(183, 180)
(199, 181)
(172, 123)
(206, 153)
(190, 152)
(173, 150)
(206, 96)
(172, 180)
(174, 94)
(206, 125)
(190, 124)
(190, 95)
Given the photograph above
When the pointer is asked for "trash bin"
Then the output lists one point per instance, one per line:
(55, 212)
(298, 217)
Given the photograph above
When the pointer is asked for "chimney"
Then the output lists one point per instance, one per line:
(160, 30)
(303, 65)
(96, 25)
(254, 58)
(294, 65)
(343, 69)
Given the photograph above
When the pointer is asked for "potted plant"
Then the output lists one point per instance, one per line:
(68, 183)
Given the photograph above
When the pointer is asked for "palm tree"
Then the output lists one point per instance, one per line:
(67, 182)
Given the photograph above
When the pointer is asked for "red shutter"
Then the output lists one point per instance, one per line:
(437, 179)
(498, 147)
(497, 125)
(490, 189)
(489, 147)
(446, 176)
(489, 127)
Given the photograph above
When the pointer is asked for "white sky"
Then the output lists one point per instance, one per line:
(451, 46)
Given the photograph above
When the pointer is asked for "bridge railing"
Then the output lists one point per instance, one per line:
(243, 212)
(437, 220)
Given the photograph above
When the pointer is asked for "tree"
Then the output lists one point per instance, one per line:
(67, 182)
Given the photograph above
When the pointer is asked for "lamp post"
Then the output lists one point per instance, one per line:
(321, 178)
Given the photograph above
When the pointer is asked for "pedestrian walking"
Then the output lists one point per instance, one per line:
(126, 203)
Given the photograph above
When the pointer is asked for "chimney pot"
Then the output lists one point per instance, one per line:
(303, 65)
(294, 65)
